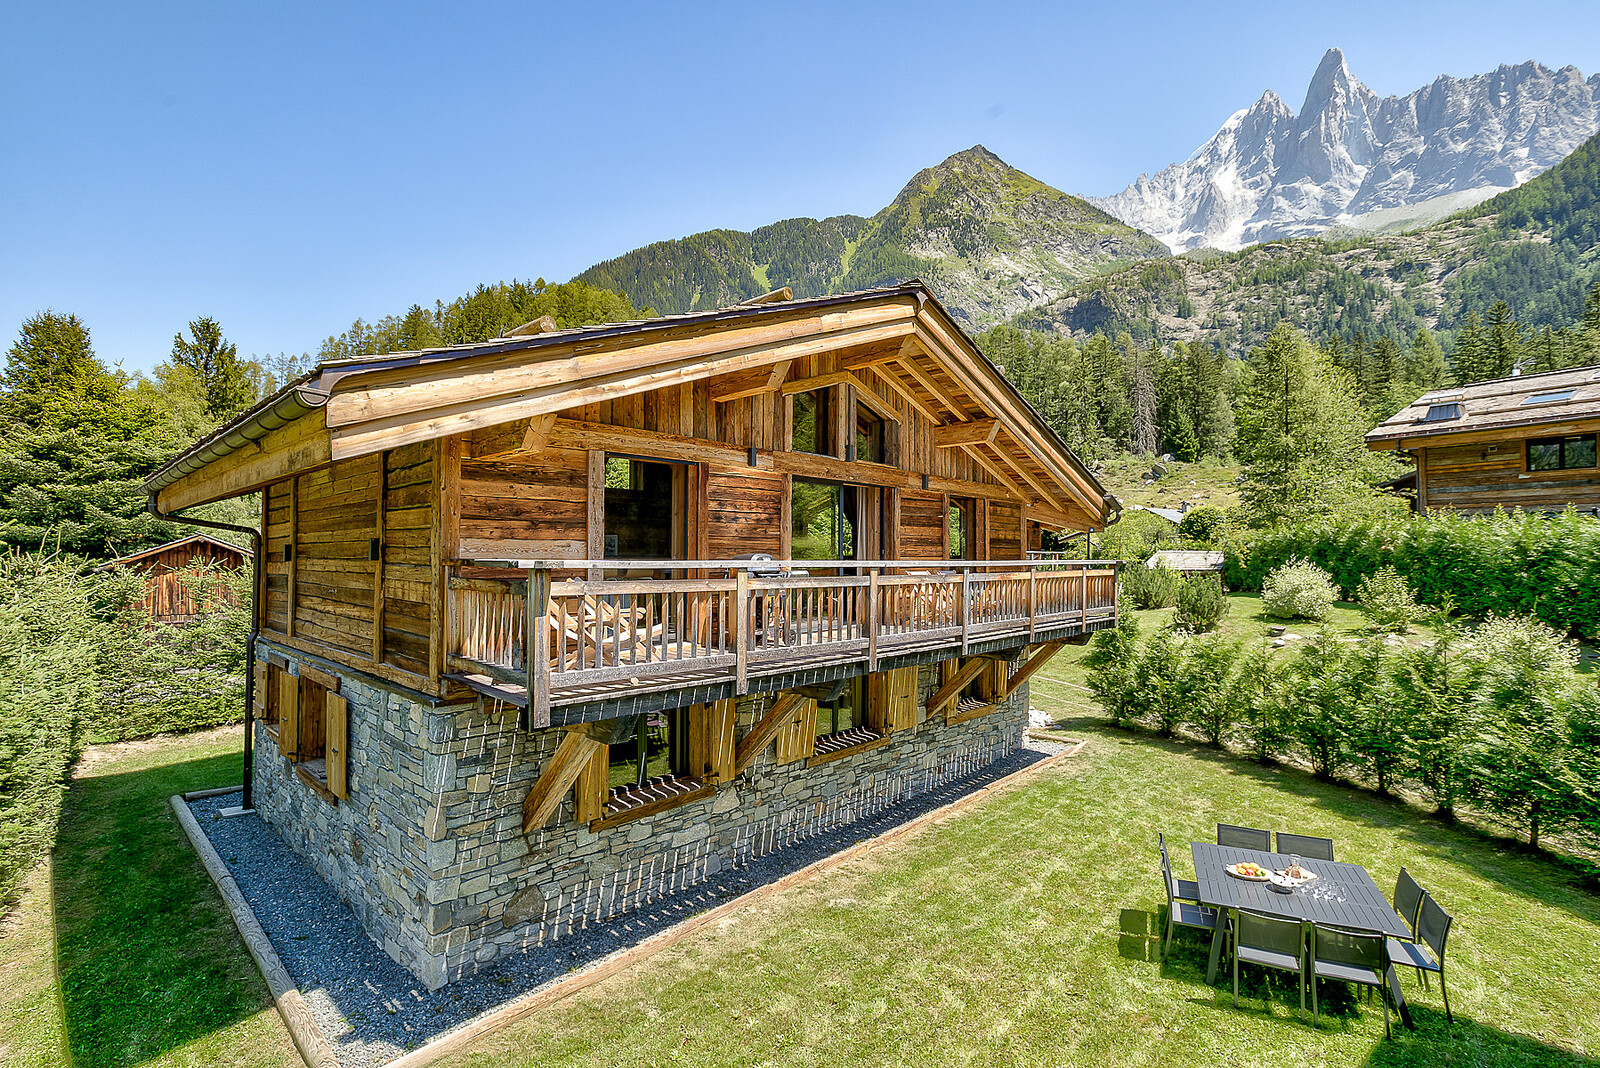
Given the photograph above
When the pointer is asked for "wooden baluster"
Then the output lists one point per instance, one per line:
(536, 643)
(742, 635)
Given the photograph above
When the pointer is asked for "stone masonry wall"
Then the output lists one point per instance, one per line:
(429, 850)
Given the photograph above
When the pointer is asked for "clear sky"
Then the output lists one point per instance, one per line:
(288, 167)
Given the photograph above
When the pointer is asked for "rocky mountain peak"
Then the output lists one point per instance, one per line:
(1350, 155)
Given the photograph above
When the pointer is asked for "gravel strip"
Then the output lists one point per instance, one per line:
(372, 1010)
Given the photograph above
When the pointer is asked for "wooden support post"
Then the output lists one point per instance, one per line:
(872, 620)
(1039, 659)
(966, 606)
(741, 609)
(765, 730)
(1033, 602)
(1083, 597)
(571, 757)
(958, 682)
(378, 539)
(536, 648)
(596, 510)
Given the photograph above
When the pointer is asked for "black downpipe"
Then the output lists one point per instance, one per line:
(250, 639)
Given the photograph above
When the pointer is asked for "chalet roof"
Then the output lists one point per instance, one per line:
(192, 539)
(366, 404)
(1187, 559)
(1500, 404)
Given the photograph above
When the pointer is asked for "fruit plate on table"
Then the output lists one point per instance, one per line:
(1249, 871)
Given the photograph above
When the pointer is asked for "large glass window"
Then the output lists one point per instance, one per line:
(812, 425)
(1557, 454)
(640, 516)
(871, 436)
(658, 752)
(822, 521)
(845, 712)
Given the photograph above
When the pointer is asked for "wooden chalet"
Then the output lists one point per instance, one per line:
(699, 571)
(167, 598)
(1522, 442)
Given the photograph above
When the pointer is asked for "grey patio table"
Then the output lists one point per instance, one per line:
(1344, 895)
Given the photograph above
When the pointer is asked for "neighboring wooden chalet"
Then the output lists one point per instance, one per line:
(1188, 562)
(167, 598)
(553, 622)
(1522, 442)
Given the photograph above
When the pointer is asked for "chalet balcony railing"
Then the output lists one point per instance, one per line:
(565, 639)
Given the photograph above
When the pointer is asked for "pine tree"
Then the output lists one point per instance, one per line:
(1425, 365)
(1468, 357)
(215, 361)
(1502, 341)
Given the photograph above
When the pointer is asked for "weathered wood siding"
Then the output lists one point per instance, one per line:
(922, 526)
(335, 521)
(1484, 475)
(744, 515)
(1005, 531)
(532, 501)
(411, 489)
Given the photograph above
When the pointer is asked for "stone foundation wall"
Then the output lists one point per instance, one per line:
(429, 851)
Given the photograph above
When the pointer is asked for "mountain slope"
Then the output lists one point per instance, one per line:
(1269, 174)
(990, 240)
(1537, 247)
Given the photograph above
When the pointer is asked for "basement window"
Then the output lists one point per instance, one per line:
(842, 723)
(1560, 454)
(651, 765)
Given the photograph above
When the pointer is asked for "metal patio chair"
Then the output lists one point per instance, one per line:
(1182, 913)
(1182, 889)
(1305, 846)
(1271, 943)
(1349, 957)
(1433, 928)
(1244, 837)
(1407, 900)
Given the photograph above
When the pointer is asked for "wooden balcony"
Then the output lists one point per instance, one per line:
(594, 640)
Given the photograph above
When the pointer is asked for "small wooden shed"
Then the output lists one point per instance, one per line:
(1188, 562)
(166, 599)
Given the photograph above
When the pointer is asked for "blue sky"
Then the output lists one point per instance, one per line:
(288, 167)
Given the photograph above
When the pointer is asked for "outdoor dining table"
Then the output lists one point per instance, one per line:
(1343, 895)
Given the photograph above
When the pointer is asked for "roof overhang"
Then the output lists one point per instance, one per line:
(350, 408)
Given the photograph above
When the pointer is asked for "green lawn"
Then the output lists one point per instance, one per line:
(121, 952)
(1023, 931)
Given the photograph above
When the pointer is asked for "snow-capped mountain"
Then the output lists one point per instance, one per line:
(1269, 173)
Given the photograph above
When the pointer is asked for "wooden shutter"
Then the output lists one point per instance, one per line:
(894, 700)
(338, 742)
(259, 703)
(589, 792)
(719, 741)
(995, 679)
(289, 715)
(798, 740)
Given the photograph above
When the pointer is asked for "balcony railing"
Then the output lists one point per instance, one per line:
(572, 640)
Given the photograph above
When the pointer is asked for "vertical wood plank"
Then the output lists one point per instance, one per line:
(536, 648)
(294, 552)
(338, 741)
(289, 715)
(589, 792)
(596, 510)
(786, 518)
(381, 536)
(742, 639)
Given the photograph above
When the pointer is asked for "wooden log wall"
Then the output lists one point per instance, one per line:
(1479, 476)
(923, 519)
(1005, 531)
(744, 515)
(410, 492)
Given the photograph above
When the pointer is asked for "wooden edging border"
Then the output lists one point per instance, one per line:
(308, 1039)
(627, 958)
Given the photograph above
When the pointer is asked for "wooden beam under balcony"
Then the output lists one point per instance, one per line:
(577, 747)
(765, 730)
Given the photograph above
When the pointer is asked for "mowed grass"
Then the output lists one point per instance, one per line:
(1024, 930)
(121, 952)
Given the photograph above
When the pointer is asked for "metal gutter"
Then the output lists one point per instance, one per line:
(272, 414)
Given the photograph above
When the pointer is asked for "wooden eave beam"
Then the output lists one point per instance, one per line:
(765, 730)
(935, 390)
(955, 435)
(977, 456)
(907, 394)
(804, 385)
(300, 446)
(1050, 496)
(358, 439)
(530, 436)
(750, 383)
(869, 396)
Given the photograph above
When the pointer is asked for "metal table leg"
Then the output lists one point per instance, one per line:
(1217, 938)
(1393, 980)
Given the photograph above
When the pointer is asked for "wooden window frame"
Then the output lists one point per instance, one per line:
(1560, 442)
(313, 717)
(708, 758)
(824, 428)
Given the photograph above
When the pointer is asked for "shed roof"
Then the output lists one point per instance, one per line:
(192, 539)
(1187, 559)
(1499, 404)
(354, 407)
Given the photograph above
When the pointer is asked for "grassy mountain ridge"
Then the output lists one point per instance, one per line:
(989, 239)
(1537, 247)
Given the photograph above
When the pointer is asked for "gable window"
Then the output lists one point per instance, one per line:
(871, 441)
(813, 424)
(1559, 454)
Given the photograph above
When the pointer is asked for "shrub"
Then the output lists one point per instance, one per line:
(1387, 600)
(1151, 587)
(1205, 675)
(1256, 706)
(1206, 526)
(1432, 711)
(1299, 590)
(1112, 657)
(1331, 689)
(1201, 603)
(1156, 677)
